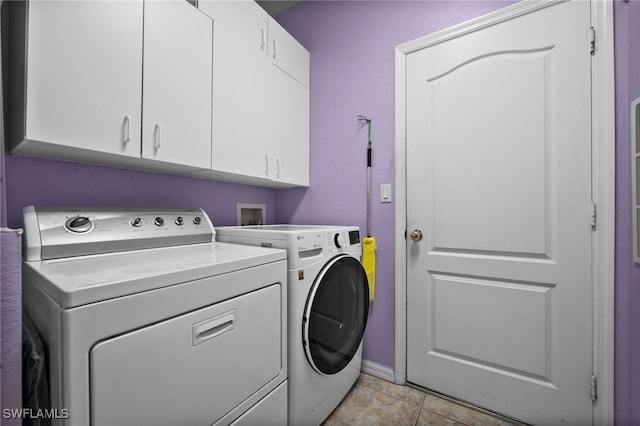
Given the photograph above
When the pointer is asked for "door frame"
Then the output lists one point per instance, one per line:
(603, 188)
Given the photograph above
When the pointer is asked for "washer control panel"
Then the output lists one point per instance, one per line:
(53, 232)
(340, 240)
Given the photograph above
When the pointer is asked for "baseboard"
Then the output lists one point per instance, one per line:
(378, 370)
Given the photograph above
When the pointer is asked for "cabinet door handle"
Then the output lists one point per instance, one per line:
(127, 130)
(156, 142)
(263, 41)
(278, 168)
(267, 160)
(275, 48)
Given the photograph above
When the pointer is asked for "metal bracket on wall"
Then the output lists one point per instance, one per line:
(18, 231)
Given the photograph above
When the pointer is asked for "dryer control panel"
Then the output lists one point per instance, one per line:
(57, 232)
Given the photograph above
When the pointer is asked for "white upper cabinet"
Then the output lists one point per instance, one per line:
(241, 88)
(76, 82)
(75, 76)
(261, 98)
(289, 112)
(176, 113)
(220, 91)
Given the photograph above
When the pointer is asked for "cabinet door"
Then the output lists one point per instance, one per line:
(289, 159)
(290, 129)
(241, 130)
(288, 54)
(178, 46)
(84, 81)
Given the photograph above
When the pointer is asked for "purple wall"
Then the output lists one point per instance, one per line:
(627, 297)
(48, 182)
(352, 72)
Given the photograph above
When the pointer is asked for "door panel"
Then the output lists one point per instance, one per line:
(499, 180)
(511, 216)
(462, 328)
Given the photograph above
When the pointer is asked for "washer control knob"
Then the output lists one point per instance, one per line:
(338, 239)
(197, 220)
(78, 224)
(179, 221)
(136, 222)
(158, 221)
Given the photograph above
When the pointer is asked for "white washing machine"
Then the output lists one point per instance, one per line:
(328, 309)
(147, 321)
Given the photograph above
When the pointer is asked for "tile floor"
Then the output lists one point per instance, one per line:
(373, 401)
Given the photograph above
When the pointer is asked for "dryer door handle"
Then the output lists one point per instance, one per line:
(213, 327)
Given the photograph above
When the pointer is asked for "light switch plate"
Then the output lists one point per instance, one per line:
(385, 193)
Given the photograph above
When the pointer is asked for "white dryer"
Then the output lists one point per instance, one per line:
(147, 321)
(328, 309)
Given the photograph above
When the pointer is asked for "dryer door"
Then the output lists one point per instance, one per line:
(335, 315)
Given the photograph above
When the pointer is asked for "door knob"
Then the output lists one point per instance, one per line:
(416, 235)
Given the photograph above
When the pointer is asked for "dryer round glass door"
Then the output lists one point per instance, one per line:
(335, 315)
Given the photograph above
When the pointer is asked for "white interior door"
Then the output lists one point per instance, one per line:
(499, 289)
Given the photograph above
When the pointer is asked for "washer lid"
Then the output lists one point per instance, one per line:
(87, 279)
